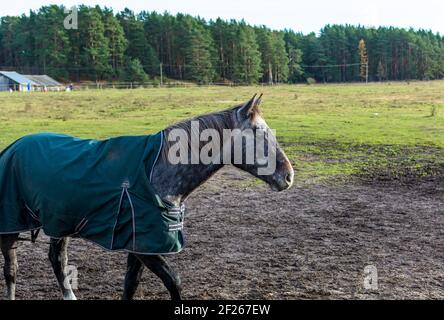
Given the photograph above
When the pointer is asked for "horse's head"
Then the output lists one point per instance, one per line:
(261, 154)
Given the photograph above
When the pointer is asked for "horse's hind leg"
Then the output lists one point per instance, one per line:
(159, 266)
(133, 275)
(8, 245)
(58, 255)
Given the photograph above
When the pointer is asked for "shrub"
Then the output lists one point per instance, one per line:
(311, 81)
(133, 72)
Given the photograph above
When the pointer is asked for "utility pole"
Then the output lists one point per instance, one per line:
(161, 74)
(270, 74)
(366, 72)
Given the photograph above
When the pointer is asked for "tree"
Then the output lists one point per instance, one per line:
(133, 72)
(280, 61)
(138, 46)
(11, 48)
(154, 33)
(117, 42)
(95, 54)
(152, 63)
(314, 55)
(334, 43)
(191, 48)
(295, 69)
(265, 42)
(247, 61)
(51, 41)
(199, 55)
(363, 58)
(273, 55)
(222, 38)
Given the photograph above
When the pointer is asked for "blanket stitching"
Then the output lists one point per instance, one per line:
(31, 213)
(117, 218)
(157, 157)
(81, 225)
(134, 218)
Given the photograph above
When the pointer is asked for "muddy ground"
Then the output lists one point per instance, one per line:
(311, 242)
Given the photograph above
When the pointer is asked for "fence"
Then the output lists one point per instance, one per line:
(114, 85)
(137, 85)
(24, 88)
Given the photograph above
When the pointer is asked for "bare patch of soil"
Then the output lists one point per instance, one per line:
(311, 242)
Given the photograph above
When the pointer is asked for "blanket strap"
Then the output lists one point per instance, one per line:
(34, 235)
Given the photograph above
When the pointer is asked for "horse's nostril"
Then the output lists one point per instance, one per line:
(289, 178)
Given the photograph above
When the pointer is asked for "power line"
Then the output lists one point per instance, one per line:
(332, 65)
(164, 65)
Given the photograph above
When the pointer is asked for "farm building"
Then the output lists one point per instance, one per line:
(15, 81)
(44, 81)
(11, 80)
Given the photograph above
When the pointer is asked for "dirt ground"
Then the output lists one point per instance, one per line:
(247, 242)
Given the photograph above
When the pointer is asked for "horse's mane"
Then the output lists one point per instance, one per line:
(218, 121)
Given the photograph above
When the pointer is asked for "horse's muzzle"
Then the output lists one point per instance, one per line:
(283, 181)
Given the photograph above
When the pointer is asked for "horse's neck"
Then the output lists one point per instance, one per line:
(176, 182)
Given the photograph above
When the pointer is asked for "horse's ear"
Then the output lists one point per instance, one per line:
(250, 108)
(258, 102)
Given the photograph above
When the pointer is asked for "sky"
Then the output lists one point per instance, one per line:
(305, 16)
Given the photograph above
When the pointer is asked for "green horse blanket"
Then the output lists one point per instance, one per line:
(96, 190)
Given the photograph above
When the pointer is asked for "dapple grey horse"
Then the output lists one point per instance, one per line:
(174, 183)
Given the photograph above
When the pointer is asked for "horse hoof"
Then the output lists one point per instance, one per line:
(69, 296)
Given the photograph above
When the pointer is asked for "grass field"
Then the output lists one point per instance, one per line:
(391, 129)
(312, 241)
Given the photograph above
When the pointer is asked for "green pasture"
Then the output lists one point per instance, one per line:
(389, 129)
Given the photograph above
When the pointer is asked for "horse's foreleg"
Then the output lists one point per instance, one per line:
(58, 255)
(159, 266)
(8, 245)
(132, 278)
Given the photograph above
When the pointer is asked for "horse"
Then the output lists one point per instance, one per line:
(173, 183)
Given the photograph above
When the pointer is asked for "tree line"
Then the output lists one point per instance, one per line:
(127, 46)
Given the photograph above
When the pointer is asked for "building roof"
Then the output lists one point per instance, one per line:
(17, 78)
(43, 80)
